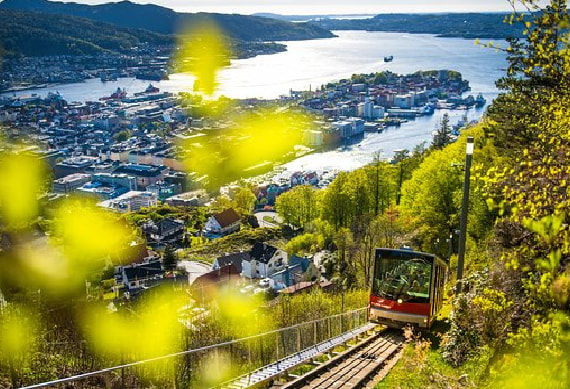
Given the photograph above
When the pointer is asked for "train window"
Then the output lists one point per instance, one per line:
(407, 280)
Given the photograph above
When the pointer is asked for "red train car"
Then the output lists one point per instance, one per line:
(407, 288)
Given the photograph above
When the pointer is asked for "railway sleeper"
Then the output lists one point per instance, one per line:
(325, 367)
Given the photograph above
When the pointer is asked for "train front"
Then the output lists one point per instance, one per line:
(401, 287)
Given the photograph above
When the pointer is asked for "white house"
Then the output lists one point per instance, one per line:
(223, 223)
(264, 260)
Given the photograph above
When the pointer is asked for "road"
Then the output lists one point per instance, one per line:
(263, 223)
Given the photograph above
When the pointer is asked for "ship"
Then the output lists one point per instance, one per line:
(108, 77)
(480, 100)
(151, 89)
(389, 58)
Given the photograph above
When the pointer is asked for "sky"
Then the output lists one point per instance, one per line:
(304, 7)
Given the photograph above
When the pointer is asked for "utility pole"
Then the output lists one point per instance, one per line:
(464, 210)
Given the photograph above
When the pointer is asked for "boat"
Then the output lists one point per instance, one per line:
(480, 100)
(108, 77)
(151, 89)
(389, 58)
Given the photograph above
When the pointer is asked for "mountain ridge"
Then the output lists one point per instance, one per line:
(167, 21)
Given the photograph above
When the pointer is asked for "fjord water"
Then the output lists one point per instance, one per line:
(309, 64)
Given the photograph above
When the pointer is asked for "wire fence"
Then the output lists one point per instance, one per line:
(210, 365)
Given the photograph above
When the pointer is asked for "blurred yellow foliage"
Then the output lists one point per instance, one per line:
(17, 333)
(254, 139)
(83, 240)
(88, 233)
(216, 369)
(21, 179)
(151, 330)
(203, 52)
(241, 312)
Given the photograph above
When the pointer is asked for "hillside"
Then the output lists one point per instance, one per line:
(37, 34)
(464, 25)
(166, 21)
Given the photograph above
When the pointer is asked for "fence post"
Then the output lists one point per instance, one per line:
(298, 339)
(315, 333)
(277, 346)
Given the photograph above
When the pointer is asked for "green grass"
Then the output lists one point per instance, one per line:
(339, 349)
(269, 219)
(303, 369)
(425, 368)
(322, 358)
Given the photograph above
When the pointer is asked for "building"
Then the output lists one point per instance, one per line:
(164, 231)
(223, 223)
(197, 198)
(145, 174)
(314, 138)
(116, 180)
(70, 183)
(264, 260)
(73, 165)
(131, 202)
(139, 275)
(307, 286)
(403, 101)
(164, 190)
(235, 259)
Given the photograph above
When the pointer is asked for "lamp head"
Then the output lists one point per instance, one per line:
(470, 145)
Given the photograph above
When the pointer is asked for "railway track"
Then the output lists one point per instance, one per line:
(355, 367)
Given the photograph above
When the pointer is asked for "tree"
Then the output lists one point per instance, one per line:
(336, 203)
(298, 206)
(122, 136)
(442, 136)
(169, 258)
(244, 201)
(537, 71)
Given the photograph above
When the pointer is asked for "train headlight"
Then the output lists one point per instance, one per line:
(399, 301)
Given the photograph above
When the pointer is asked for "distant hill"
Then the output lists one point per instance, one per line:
(464, 25)
(305, 18)
(166, 21)
(38, 34)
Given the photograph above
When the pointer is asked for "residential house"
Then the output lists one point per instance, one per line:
(264, 261)
(235, 259)
(223, 223)
(292, 273)
(307, 286)
(139, 275)
(206, 285)
(163, 231)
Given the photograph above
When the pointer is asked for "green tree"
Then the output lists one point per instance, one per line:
(169, 258)
(336, 202)
(244, 201)
(122, 136)
(442, 137)
(298, 206)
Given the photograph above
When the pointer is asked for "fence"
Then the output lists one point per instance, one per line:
(210, 365)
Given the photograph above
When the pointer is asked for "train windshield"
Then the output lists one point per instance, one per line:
(402, 279)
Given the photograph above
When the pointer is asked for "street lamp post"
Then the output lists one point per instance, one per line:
(464, 211)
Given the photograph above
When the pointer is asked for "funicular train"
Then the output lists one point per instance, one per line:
(407, 288)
